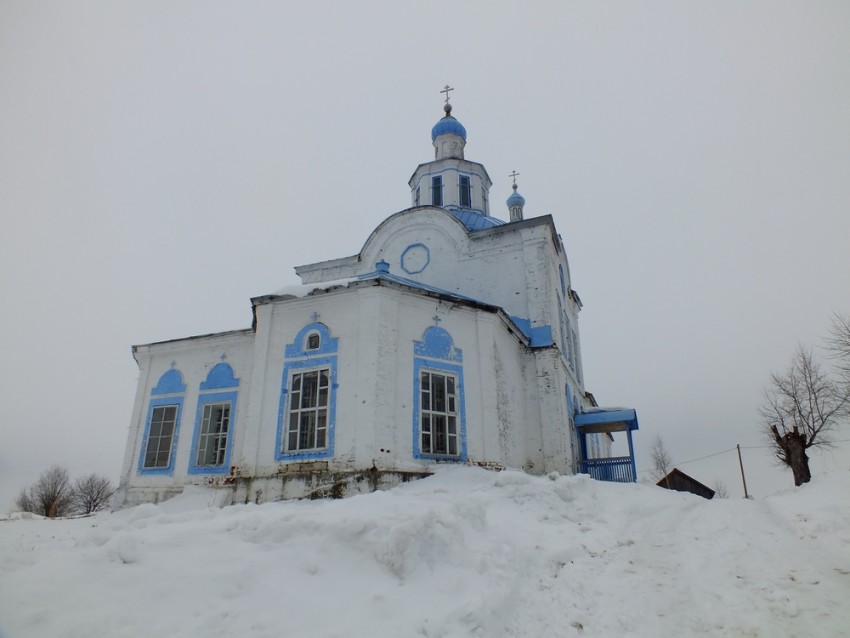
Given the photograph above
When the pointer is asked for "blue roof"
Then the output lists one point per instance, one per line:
(474, 220)
(516, 200)
(600, 416)
(448, 125)
(382, 271)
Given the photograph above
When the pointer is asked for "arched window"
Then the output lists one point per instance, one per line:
(211, 442)
(162, 426)
(439, 409)
(307, 412)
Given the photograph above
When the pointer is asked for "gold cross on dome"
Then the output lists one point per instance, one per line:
(446, 90)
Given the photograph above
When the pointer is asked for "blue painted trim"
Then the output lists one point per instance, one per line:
(171, 382)
(541, 336)
(303, 366)
(298, 347)
(216, 397)
(437, 344)
(538, 336)
(627, 416)
(178, 401)
(418, 366)
(409, 248)
(221, 376)
(322, 357)
(437, 352)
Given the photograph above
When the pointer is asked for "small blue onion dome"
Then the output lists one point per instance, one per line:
(448, 124)
(515, 199)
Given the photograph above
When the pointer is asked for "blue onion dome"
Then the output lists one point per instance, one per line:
(515, 199)
(448, 124)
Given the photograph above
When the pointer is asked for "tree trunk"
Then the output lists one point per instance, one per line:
(793, 445)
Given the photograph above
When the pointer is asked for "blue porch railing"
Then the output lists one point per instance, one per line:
(617, 469)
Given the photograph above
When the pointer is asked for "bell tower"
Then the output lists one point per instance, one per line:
(451, 181)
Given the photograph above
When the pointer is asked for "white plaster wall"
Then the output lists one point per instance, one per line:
(494, 266)
(194, 358)
(516, 412)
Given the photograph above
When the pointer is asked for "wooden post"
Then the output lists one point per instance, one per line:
(743, 478)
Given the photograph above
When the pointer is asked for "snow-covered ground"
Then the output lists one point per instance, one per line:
(464, 553)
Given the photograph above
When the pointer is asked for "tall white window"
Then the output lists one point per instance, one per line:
(212, 440)
(438, 413)
(160, 437)
(308, 410)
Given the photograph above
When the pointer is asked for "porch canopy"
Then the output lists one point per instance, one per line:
(620, 469)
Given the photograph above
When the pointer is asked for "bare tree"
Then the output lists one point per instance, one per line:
(720, 490)
(24, 501)
(660, 458)
(801, 407)
(838, 344)
(50, 496)
(91, 494)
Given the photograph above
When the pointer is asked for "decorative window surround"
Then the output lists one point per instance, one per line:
(299, 361)
(437, 360)
(213, 438)
(162, 425)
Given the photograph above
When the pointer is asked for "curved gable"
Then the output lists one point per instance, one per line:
(416, 242)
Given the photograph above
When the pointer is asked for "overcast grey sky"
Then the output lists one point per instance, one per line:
(162, 162)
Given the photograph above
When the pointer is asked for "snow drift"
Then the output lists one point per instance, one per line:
(464, 553)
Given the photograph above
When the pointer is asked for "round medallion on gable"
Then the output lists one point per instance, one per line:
(415, 259)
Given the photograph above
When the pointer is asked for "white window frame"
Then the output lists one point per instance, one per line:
(318, 410)
(439, 421)
(217, 439)
(159, 438)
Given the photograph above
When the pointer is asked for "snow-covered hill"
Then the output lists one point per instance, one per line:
(464, 553)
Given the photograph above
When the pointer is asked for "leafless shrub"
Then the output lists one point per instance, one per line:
(91, 494)
(660, 458)
(51, 495)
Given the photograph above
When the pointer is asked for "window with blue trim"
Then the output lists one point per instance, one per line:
(439, 419)
(162, 425)
(306, 417)
(465, 196)
(212, 440)
(437, 190)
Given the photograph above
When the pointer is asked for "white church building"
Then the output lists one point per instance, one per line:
(452, 336)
